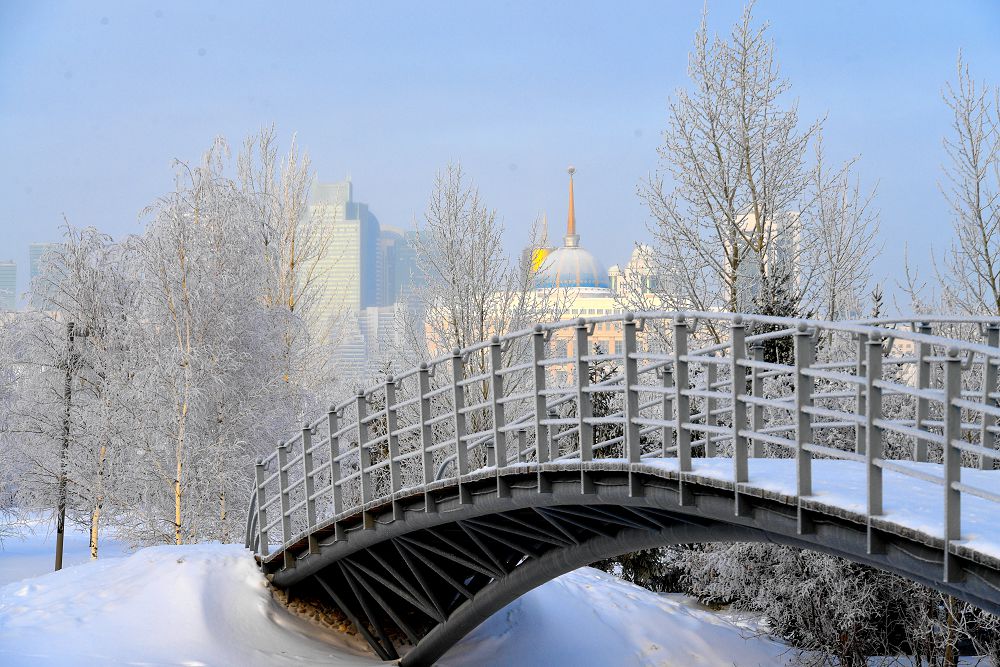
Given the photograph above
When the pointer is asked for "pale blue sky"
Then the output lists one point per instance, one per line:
(96, 98)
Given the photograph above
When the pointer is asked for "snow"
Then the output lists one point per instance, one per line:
(208, 605)
(907, 501)
(588, 617)
(31, 550)
(189, 605)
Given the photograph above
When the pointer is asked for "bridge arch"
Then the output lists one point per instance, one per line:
(418, 541)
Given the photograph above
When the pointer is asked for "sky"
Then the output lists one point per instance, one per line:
(98, 98)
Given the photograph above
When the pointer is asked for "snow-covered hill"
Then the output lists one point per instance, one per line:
(209, 605)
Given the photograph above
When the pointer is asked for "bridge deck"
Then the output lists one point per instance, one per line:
(909, 503)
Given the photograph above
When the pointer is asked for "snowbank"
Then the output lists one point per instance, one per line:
(208, 605)
(190, 605)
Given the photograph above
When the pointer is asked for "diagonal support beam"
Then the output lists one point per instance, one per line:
(471, 534)
(558, 526)
(409, 595)
(380, 601)
(581, 521)
(531, 534)
(353, 618)
(390, 650)
(435, 568)
(460, 560)
(485, 532)
(424, 584)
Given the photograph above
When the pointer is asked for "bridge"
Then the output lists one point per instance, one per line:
(424, 504)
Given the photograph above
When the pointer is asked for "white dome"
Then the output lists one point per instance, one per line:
(572, 267)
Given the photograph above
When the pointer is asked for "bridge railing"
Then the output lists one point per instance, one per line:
(885, 394)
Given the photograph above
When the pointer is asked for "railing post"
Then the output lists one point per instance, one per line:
(682, 402)
(989, 387)
(391, 426)
(711, 374)
(538, 356)
(259, 473)
(859, 396)
(584, 405)
(756, 410)
(805, 346)
(633, 442)
(458, 403)
(364, 459)
(336, 491)
(426, 435)
(737, 352)
(309, 486)
(873, 434)
(286, 519)
(522, 444)
(496, 395)
(952, 432)
(667, 433)
(923, 351)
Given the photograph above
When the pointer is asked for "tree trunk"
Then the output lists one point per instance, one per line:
(95, 514)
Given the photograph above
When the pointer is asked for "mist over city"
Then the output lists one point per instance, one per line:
(500, 333)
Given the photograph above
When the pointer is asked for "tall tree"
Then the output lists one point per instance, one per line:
(970, 272)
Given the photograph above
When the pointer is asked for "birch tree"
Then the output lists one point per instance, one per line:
(210, 344)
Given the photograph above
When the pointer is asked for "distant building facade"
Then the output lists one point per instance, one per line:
(364, 277)
(36, 255)
(8, 286)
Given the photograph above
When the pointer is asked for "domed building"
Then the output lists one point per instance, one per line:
(571, 266)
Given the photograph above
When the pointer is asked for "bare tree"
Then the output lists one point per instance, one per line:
(846, 228)
(732, 173)
(470, 290)
(970, 271)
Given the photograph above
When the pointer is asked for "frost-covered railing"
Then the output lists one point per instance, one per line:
(881, 393)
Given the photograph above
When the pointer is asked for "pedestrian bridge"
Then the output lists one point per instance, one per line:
(424, 504)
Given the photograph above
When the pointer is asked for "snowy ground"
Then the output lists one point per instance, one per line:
(208, 605)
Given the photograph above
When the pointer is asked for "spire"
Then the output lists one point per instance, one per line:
(572, 238)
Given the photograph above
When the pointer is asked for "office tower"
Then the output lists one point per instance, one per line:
(398, 267)
(36, 253)
(8, 286)
(347, 274)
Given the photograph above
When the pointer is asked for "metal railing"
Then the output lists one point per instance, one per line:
(878, 393)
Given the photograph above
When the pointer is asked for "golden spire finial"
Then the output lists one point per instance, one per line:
(571, 221)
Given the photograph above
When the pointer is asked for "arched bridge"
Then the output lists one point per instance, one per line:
(425, 504)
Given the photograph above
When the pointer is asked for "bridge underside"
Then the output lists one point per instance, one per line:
(416, 586)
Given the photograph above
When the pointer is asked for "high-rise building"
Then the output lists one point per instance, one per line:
(8, 286)
(398, 268)
(36, 253)
(348, 273)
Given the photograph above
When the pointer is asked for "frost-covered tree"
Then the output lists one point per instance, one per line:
(970, 270)
(291, 242)
(470, 289)
(735, 204)
(211, 344)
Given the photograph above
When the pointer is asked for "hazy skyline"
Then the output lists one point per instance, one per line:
(97, 98)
